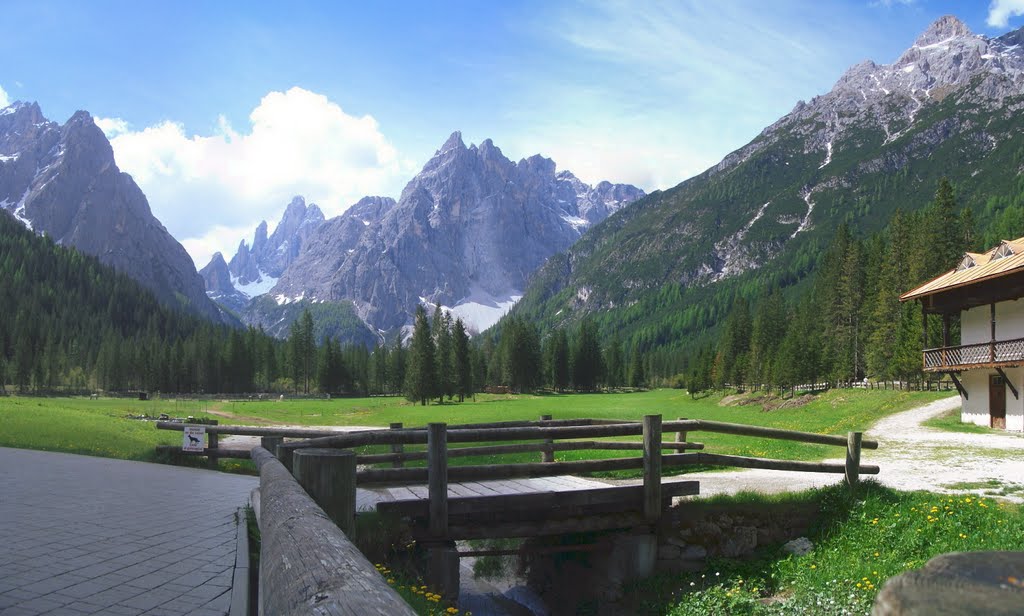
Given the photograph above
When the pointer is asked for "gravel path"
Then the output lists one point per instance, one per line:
(911, 457)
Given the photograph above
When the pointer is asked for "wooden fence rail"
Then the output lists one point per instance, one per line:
(307, 564)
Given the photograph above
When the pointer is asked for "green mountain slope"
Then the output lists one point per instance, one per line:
(664, 271)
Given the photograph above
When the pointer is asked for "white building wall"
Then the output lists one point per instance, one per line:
(976, 323)
(976, 328)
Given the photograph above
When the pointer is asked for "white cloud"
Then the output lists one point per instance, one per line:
(1000, 12)
(4, 100)
(111, 127)
(299, 143)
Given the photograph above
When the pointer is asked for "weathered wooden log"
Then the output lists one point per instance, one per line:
(329, 476)
(717, 459)
(397, 448)
(270, 443)
(853, 444)
(212, 443)
(307, 565)
(970, 583)
(503, 471)
(487, 450)
(533, 432)
(652, 468)
(547, 454)
(776, 433)
(437, 479)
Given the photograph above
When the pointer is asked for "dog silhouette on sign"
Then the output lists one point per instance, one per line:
(192, 440)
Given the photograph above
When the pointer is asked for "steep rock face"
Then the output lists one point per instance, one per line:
(254, 270)
(950, 105)
(469, 229)
(62, 181)
(219, 286)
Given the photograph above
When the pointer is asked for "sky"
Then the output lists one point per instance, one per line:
(222, 111)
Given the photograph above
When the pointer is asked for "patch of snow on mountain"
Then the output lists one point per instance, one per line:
(4, 159)
(828, 155)
(263, 284)
(806, 222)
(576, 222)
(282, 299)
(480, 310)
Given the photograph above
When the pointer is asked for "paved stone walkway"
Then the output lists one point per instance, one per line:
(84, 535)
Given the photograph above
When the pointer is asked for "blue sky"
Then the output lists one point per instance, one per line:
(222, 111)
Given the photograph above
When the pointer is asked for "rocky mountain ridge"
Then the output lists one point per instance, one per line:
(62, 181)
(467, 233)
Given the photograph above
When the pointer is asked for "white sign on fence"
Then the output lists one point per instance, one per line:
(194, 438)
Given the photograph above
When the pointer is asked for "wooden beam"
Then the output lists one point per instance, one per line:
(652, 468)
(437, 478)
(549, 503)
(853, 457)
(1009, 384)
(716, 459)
(959, 387)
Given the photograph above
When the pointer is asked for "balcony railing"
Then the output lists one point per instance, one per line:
(966, 356)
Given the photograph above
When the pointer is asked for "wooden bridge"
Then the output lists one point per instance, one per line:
(445, 502)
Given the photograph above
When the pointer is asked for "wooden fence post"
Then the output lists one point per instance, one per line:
(652, 467)
(212, 443)
(442, 555)
(397, 447)
(547, 454)
(270, 443)
(681, 436)
(853, 442)
(329, 477)
(437, 478)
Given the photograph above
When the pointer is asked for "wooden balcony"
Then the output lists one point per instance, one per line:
(995, 354)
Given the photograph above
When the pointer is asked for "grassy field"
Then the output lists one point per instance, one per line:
(102, 427)
(863, 538)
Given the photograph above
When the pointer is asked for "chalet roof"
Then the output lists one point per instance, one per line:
(1004, 259)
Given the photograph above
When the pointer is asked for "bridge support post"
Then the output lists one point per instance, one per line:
(548, 453)
(397, 447)
(329, 477)
(270, 443)
(652, 468)
(442, 556)
(853, 442)
(443, 569)
(212, 443)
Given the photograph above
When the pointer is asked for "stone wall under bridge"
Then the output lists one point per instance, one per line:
(689, 534)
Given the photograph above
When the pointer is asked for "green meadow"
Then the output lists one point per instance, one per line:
(102, 427)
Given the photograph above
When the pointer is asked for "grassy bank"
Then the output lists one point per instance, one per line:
(862, 539)
(102, 428)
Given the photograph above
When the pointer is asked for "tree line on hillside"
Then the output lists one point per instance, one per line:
(849, 324)
(441, 362)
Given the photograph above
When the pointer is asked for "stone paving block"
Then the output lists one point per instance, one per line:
(149, 600)
(41, 605)
(104, 525)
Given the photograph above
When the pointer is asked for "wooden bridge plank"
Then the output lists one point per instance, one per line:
(543, 502)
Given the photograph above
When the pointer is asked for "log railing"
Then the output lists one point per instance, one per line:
(307, 564)
(982, 355)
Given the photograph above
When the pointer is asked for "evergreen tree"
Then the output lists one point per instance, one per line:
(637, 377)
(444, 355)
(420, 379)
(613, 361)
(586, 358)
(463, 361)
(558, 360)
